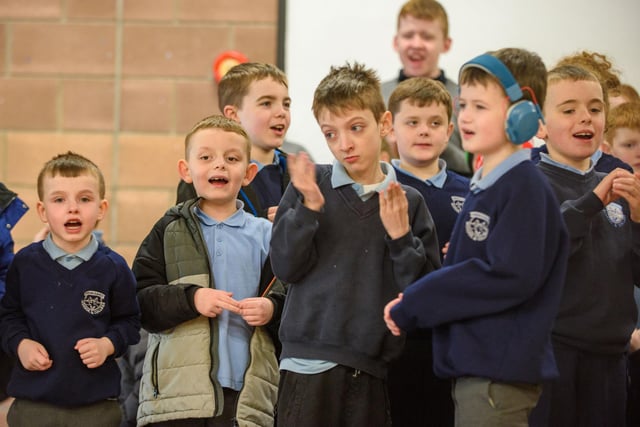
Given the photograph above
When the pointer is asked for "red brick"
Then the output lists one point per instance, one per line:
(28, 104)
(87, 105)
(257, 43)
(30, 9)
(96, 9)
(149, 160)
(194, 101)
(228, 10)
(172, 51)
(149, 10)
(146, 105)
(3, 38)
(41, 147)
(66, 48)
(138, 211)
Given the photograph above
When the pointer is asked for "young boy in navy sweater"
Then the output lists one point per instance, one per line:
(70, 308)
(597, 312)
(493, 302)
(347, 238)
(422, 110)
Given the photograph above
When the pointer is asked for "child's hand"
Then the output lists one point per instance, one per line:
(634, 342)
(395, 330)
(94, 351)
(604, 190)
(303, 177)
(33, 356)
(445, 249)
(210, 302)
(271, 213)
(627, 186)
(394, 211)
(256, 311)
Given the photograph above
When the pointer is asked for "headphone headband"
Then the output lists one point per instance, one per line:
(496, 68)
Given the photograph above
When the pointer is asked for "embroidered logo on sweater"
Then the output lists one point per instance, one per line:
(615, 214)
(477, 226)
(93, 302)
(456, 203)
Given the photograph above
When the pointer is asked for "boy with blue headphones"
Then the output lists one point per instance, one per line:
(492, 304)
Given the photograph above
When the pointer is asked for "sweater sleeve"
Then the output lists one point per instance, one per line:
(162, 306)
(510, 270)
(292, 250)
(578, 215)
(13, 323)
(416, 253)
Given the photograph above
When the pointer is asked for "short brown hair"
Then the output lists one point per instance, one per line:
(420, 91)
(217, 121)
(600, 66)
(428, 10)
(626, 91)
(234, 86)
(526, 67)
(349, 87)
(625, 115)
(70, 165)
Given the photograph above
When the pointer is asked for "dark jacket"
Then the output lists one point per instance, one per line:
(170, 266)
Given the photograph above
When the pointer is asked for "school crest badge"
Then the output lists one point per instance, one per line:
(477, 226)
(615, 214)
(456, 203)
(93, 302)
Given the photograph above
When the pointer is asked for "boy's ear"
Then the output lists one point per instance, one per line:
(605, 147)
(230, 112)
(42, 212)
(104, 205)
(250, 173)
(183, 170)
(386, 124)
(447, 44)
(450, 131)
(542, 130)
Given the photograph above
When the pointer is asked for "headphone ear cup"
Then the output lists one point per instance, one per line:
(522, 122)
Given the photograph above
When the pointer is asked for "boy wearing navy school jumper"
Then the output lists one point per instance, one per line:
(70, 308)
(493, 302)
(422, 108)
(347, 239)
(202, 274)
(597, 313)
(256, 95)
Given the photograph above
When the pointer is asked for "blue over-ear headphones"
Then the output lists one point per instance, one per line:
(522, 117)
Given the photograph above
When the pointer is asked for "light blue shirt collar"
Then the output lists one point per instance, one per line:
(480, 183)
(237, 219)
(545, 158)
(340, 177)
(438, 180)
(69, 260)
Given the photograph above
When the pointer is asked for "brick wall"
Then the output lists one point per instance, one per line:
(119, 81)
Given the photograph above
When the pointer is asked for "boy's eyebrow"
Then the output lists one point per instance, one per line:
(573, 101)
(272, 97)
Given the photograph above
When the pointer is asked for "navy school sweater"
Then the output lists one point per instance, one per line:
(56, 307)
(342, 269)
(598, 311)
(444, 203)
(493, 303)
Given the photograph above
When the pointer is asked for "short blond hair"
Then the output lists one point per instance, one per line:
(428, 10)
(217, 121)
(421, 91)
(349, 87)
(625, 115)
(70, 165)
(234, 86)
